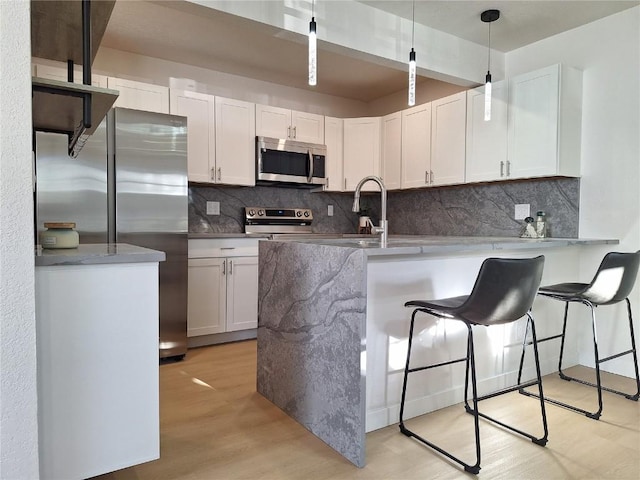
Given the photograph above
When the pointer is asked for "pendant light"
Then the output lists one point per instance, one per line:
(488, 16)
(313, 70)
(412, 61)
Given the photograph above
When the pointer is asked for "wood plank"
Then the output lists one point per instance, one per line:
(215, 426)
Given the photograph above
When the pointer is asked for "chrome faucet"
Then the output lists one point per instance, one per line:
(383, 228)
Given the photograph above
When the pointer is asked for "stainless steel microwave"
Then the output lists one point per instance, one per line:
(290, 162)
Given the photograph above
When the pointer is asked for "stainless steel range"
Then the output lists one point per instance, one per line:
(278, 220)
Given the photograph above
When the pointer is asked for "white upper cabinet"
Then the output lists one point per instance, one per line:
(391, 150)
(416, 146)
(545, 117)
(139, 95)
(201, 151)
(279, 122)
(60, 73)
(487, 140)
(361, 151)
(333, 136)
(448, 134)
(235, 142)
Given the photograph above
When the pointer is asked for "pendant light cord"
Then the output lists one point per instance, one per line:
(489, 57)
(413, 23)
(313, 3)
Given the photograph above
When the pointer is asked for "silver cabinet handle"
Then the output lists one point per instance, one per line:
(213, 173)
(295, 132)
(501, 168)
(431, 176)
(219, 173)
(289, 131)
(224, 267)
(345, 183)
(508, 168)
(326, 185)
(426, 177)
(230, 267)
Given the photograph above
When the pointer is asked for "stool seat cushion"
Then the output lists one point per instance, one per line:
(442, 306)
(564, 289)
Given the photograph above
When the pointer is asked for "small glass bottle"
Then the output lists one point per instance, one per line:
(541, 224)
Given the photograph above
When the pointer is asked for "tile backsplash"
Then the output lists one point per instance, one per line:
(470, 210)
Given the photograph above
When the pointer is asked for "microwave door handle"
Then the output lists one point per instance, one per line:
(310, 177)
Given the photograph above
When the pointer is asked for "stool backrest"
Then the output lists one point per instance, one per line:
(504, 290)
(614, 279)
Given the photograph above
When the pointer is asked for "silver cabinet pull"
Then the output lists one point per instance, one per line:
(224, 267)
(326, 185)
(345, 184)
(219, 173)
(431, 176)
(295, 132)
(426, 177)
(501, 168)
(230, 267)
(508, 168)
(213, 173)
(289, 131)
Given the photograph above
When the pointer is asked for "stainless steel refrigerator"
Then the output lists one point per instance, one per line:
(128, 185)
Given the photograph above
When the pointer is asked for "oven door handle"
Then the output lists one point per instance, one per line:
(310, 177)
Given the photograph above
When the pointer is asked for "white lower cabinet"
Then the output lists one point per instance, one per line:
(223, 295)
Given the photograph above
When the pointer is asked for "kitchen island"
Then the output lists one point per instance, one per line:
(97, 349)
(332, 326)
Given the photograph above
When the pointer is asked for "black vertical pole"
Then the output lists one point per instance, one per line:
(86, 60)
(70, 71)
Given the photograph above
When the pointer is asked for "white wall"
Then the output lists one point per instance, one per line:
(608, 52)
(18, 392)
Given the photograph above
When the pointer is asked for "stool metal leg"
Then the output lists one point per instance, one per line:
(470, 364)
(598, 385)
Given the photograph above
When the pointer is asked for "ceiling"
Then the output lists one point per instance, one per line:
(191, 34)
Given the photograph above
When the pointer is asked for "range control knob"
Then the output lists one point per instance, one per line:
(298, 213)
(306, 213)
(252, 213)
(260, 213)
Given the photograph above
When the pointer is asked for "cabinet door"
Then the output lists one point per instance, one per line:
(60, 73)
(198, 108)
(487, 140)
(235, 142)
(273, 122)
(307, 127)
(242, 293)
(448, 137)
(391, 150)
(416, 146)
(361, 151)
(207, 294)
(334, 140)
(140, 96)
(533, 123)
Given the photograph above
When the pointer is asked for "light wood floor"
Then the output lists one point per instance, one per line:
(214, 425)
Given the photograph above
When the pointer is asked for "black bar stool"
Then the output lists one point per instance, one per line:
(503, 292)
(611, 284)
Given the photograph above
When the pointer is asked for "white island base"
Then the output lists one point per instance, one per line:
(332, 328)
(97, 342)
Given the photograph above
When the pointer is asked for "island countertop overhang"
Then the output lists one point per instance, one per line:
(436, 245)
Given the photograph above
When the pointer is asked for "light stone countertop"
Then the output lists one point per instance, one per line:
(95, 254)
(425, 245)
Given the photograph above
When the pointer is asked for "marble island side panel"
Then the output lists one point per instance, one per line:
(311, 334)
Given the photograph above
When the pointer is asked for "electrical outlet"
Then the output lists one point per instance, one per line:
(213, 208)
(523, 210)
(330, 210)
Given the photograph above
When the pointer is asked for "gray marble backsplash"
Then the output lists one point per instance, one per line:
(473, 210)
